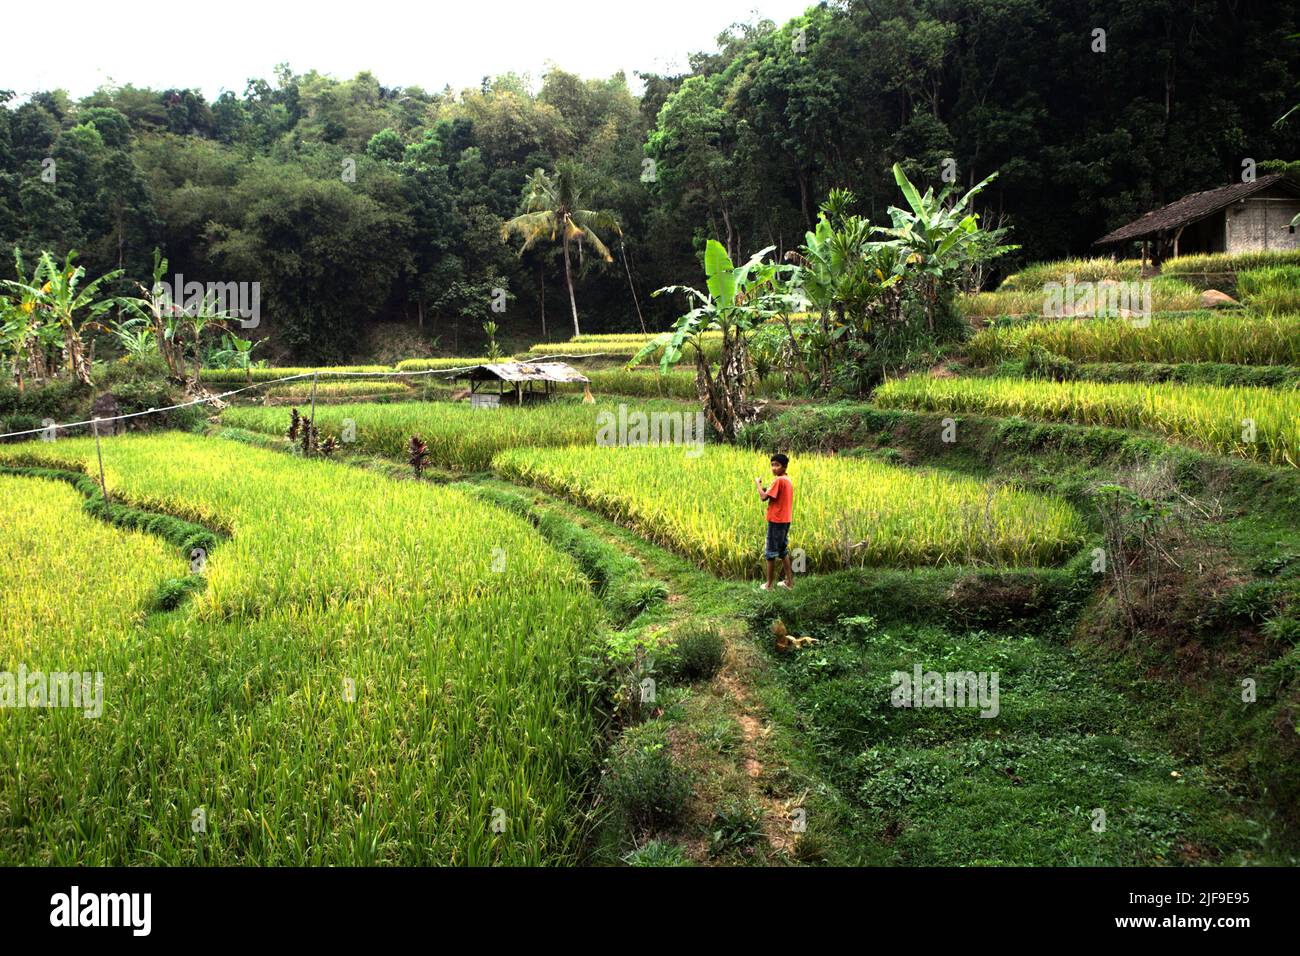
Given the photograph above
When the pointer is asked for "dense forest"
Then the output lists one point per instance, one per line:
(355, 204)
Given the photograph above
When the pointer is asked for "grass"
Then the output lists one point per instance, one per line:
(1184, 373)
(464, 680)
(651, 382)
(458, 436)
(1206, 416)
(1234, 338)
(846, 512)
(1271, 289)
(934, 788)
(1239, 564)
(941, 786)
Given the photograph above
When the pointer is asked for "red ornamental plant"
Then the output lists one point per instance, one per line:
(417, 453)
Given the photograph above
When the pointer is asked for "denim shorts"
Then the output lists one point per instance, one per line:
(778, 537)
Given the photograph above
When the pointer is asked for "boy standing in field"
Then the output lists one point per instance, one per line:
(780, 508)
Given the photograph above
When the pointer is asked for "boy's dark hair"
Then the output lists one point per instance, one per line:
(782, 460)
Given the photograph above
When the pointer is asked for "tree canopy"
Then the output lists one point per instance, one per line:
(354, 203)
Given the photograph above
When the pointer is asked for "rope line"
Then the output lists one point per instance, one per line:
(277, 381)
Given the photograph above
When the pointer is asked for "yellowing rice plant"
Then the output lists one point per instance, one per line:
(1235, 338)
(1258, 423)
(62, 607)
(374, 669)
(1168, 294)
(651, 382)
(427, 364)
(361, 387)
(1034, 276)
(1270, 289)
(846, 511)
(237, 376)
(618, 347)
(1219, 263)
(458, 436)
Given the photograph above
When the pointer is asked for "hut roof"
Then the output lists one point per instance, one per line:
(525, 372)
(1191, 208)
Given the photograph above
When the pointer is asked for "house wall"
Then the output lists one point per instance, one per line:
(1262, 222)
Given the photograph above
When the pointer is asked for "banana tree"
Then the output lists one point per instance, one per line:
(234, 353)
(736, 302)
(26, 335)
(135, 337)
(15, 330)
(843, 273)
(165, 318)
(934, 233)
(179, 329)
(67, 304)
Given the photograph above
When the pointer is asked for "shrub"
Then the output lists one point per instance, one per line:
(628, 598)
(1040, 363)
(643, 782)
(734, 827)
(657, 853)
(173, 592)
(697, 654)
(57, 399)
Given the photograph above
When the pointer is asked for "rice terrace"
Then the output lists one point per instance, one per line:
(845, 449)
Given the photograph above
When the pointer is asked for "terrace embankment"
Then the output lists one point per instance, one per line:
(1211, 639)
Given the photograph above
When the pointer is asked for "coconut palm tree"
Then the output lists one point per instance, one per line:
(552, 205)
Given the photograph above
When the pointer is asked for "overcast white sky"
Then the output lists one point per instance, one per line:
(215, 46)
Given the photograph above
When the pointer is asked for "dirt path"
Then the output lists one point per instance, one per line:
(722, 730)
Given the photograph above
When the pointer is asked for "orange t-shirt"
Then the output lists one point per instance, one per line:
(780, 502)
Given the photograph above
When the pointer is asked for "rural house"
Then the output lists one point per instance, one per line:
(1236, 218)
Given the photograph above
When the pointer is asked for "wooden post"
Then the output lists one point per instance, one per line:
(99, 453)
(314, 374)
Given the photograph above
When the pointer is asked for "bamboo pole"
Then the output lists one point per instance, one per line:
(99, 453)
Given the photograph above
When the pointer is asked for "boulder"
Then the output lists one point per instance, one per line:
(106, 407)
(1214, 299)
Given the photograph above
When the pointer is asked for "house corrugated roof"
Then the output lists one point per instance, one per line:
(526, 372)
(1191, 208)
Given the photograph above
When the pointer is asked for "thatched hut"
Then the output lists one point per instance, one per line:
(517, 379)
